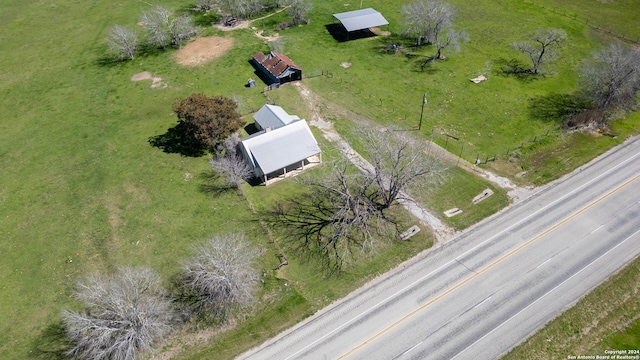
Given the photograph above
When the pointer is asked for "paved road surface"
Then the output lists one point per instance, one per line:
(485, 291)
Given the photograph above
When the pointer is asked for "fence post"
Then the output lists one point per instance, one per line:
(460, 156)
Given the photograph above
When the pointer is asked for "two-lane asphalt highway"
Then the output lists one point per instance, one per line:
(485, 291)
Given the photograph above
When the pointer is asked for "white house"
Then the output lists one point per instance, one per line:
(277, 152)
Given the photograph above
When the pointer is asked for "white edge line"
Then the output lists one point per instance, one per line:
(598, 228)
(454, 260)
(547, 293)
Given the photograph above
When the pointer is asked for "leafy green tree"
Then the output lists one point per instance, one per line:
(207, 121)
(298, 10)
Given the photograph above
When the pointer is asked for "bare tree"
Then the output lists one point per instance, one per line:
(222, 276)
(163, 28)
(241, 8)
(449, 38)
(343, 213)
(123, 41)
(229, 163)
(433, 22)
(542, 47)
(425, 19)
(156, 22)
(298, 10)
(126, 314)
(613, 77)
(204, 5)
(182, 28)
(398, 166)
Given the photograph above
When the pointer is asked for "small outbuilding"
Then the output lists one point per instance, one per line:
(361, 19)
(272, 117)
(278, 68)
(282, 151)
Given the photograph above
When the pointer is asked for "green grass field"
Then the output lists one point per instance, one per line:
(82, 190)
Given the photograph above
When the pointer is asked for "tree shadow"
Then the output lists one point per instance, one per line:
(422, 63)
(176, 141)
(144, 50)
(515, 68)
(148, 50)
(391, 45)
(109, 60)
(211, 183)
(51, 344)
(302, 221)
(555, 107)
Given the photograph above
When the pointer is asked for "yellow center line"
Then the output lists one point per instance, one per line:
(485, 269)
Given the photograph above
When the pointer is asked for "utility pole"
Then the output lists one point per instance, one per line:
(424, 101)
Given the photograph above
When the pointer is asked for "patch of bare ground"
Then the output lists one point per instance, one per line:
(379, 32)
(242, 24)
(203, 50)
(156, 82)
(259, 33)
(345, 64)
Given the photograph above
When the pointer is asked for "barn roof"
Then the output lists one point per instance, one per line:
(361, 19)
(272, 116)
(276, 63)
(276, 149)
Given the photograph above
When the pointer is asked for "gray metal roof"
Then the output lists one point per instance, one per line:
(361, 19)
(272, 116)
(276, 149)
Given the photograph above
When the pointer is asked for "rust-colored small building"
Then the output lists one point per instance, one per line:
(277, 67)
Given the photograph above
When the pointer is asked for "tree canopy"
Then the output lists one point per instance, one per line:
(126, 313)
(542, 47)
(344, 212)
(207, 121)
(221, 276)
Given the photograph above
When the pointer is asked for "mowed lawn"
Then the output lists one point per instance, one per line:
(82, 190)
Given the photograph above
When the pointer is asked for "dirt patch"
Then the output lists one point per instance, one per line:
(379, 32)
(345, 64)
(259, 33)
(203, 50)
(243, 24)
(156, 82)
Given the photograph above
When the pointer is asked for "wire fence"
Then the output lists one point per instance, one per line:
(590, 23)
(453, 145)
